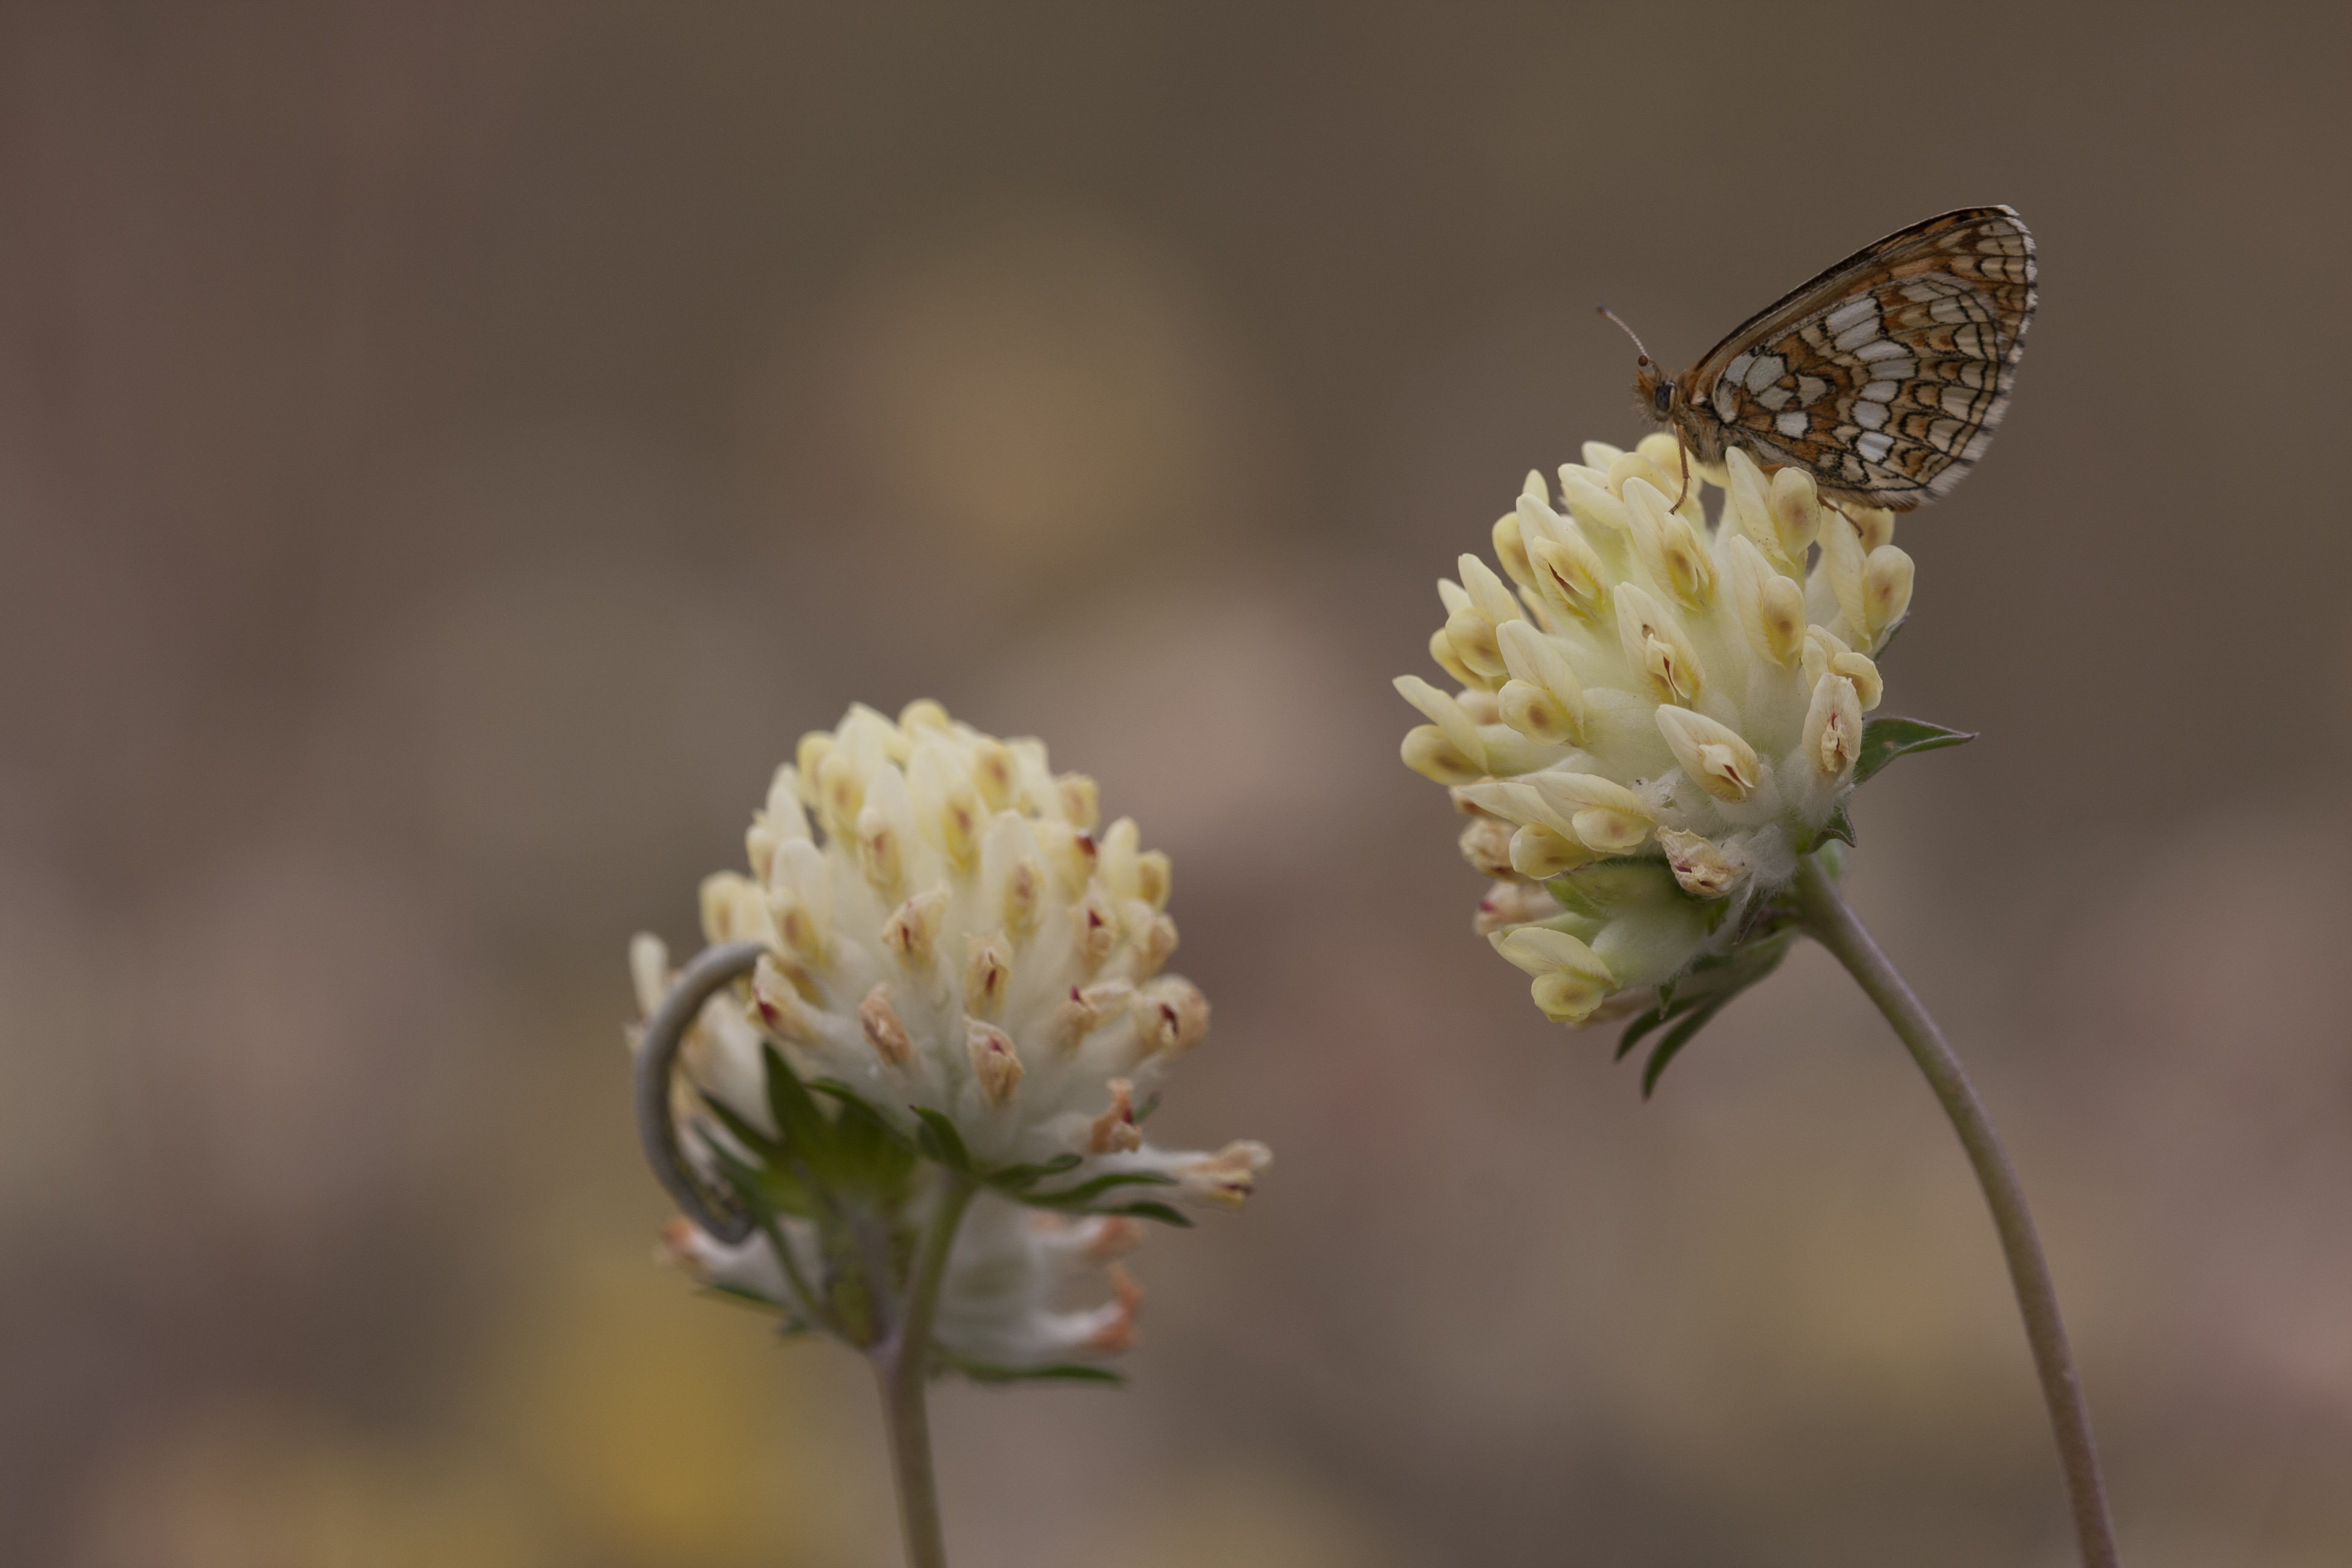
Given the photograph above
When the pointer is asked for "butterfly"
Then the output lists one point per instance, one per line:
(1883, 377)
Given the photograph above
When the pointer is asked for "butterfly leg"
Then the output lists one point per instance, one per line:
(1682, 455)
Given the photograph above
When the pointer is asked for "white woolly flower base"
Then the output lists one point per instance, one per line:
(1657, 713)
(948, 940)
(1012, 1301)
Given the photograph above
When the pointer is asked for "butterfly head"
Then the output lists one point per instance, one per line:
(1655, 393)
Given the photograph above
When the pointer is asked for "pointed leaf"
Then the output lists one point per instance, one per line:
(1883, 740)
(1840, 827)
(1638, 1028)
(842, 1094)
(868, 1151)
(1149, 1208)
(1064, 1372)
(1086, 1191)
(757, 1142)
(942, 1141)
(794, 1109)
(1671, 1046)
(1020, 1178)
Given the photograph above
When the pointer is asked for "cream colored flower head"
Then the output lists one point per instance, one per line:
(1654, 715)
(949, 938)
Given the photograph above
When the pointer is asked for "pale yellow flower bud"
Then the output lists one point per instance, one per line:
(995, 1065)
(1489, 594)
(911, 933)
(1602, 815)
(1459, 728)
(1432, 753)
(1511, 549)
(1748, 506)
(1441, 652)
(1569, 980)
(649, 970)
(1225, 1180)
(1540, 852)
(1510, 903)
(1486, 843)
(1772, 608)
(1825, 653)
(1875, 523)
(1832, 734)
(1472, 636)
(734, 909)
(993, 772)
(800, 899)
(1712, 753)
(948, 810)
(1080, 799)
(1886, 575)
(1548, 703)
(1570, 576)
(1115, 1132)
(1657, 648)
(921, 714)
(1670, 547)
(1593, 502)
(1700, 865)
(883, 1029)
(1636, 465)
(878, 849)
(1841, 560)
(987, 972)
(1796, 509)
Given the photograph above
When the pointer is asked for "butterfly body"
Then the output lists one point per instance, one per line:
(1883, 377)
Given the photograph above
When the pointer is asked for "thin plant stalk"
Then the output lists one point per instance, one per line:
(902, 1367)
(1831, 922)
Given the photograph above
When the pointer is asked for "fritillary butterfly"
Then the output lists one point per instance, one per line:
(1883, 377)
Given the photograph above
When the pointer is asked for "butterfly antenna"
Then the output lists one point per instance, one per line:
(1623, 328)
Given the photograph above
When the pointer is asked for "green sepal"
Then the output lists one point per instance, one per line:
(1085, 1192)
(1149, 1208)
(1021, 1178)
(868, 1152)
(1691, 1001)
(734, 1295)
(1677, 1038)
(859, 1146)
(1883, 740)
(1838, 829)
(768, 1187)
(759, 1144)
(939, 1141)
(801, 1126)
(1060, 1371)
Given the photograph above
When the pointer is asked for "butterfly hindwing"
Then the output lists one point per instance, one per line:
(1886, 375)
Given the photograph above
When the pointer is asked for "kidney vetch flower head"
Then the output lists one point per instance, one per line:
(954, 992)
(1655, 717)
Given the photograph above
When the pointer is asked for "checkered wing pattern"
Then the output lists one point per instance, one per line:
(1886, 375)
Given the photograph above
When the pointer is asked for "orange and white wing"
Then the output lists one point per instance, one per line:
(1887, 375)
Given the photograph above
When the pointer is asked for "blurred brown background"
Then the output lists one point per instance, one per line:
(449, 451)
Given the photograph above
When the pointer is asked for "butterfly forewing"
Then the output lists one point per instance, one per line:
(1886, 374)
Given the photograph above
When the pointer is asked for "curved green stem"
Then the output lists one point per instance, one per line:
(1831, 922)
(902, 1366)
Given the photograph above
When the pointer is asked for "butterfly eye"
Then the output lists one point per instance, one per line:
(1663, 399)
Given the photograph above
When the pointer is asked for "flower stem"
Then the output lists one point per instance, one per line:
(902, 1366)
(1831, 922)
